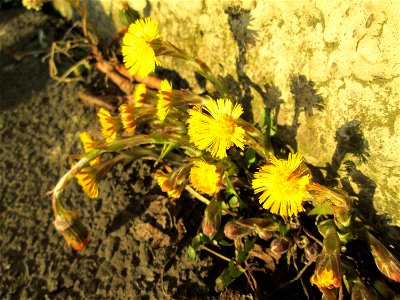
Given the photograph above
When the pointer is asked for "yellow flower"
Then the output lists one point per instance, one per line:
(205, 178)
(283, 184)
(127, 118)
(325, 279)
(109, 125)
(218, 130)
(138, 49)
(164, 100)
(139, 94)
(167, 186)
(88, 145)
(33, 4)
(87, 179)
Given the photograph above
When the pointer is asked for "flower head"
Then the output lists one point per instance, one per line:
(73, 230)
(127, 118)
(205, 177)
(109, 125)
(137, 49)
(325, 279)
(33, 4)
(283, 185)
(87, 178)
(138, 96)
(88, 145)
(167, 185)
(217, 130)
(164, 100)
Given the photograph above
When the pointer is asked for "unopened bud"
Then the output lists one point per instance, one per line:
(294, 222)
(236, 229)
(280, 245)
(212, 218)
(311, 251)
(384, 260)
(73, 230)
(302, 241)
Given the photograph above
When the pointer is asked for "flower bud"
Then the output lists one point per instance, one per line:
(280, 245)
(302, 241)
(384, 260)
(73, 230)
(236, 229)
(327, 274)
(311, 251)
(212, 218)
(264, 227)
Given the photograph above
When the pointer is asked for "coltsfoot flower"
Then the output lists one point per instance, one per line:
(138, 47)
(127, 118)
(88, 145)
(326, 279)
(164, 100)
(205, 177)
(217, 130)
(109, 125)
(87, 178)
(33, 4)
(283, 184)
(167, 185)
(138, 96)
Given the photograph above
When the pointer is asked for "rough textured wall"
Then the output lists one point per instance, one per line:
(328, 70)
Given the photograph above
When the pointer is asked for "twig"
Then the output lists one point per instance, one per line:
(197, 195)
(122, 82)
(206, 201)
(90, 99)
(298, 275)
(216, 254)
(313, 237)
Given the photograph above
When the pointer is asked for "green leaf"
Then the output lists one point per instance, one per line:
(191, 253)
(283, 229)
(234, 202)
(250, 157)
(230, 274)
(323, 209)
(226, 243)
(230, 190)
(167, 148)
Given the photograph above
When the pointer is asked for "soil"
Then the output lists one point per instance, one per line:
(40, 122)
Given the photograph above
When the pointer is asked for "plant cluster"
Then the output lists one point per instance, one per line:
(261, 199)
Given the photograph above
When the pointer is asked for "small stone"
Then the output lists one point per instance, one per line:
(52, 284)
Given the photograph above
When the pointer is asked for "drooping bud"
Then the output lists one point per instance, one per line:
(311, 251)
(264, 227)
(235, 229)
(75, 233)
(384, 260)
(212, 218)
(327, 274)
(280, 245)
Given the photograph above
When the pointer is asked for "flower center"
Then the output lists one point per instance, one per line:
(225, 126)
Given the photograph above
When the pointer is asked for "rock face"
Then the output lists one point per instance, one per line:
(328, 70)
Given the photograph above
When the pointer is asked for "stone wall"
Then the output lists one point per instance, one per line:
(328, 70)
